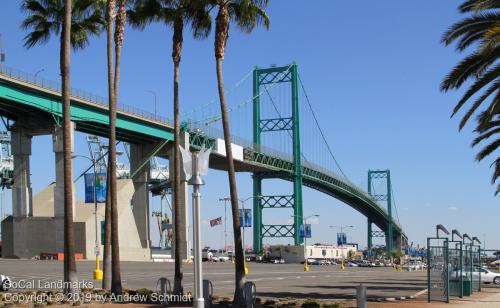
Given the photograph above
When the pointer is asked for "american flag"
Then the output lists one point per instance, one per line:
(215, 222)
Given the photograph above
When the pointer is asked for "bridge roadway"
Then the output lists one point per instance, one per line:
(23, 97)
(272, 280)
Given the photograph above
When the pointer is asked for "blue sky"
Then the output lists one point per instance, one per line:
(372, 72)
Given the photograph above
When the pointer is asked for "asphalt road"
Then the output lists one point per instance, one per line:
(272, 280)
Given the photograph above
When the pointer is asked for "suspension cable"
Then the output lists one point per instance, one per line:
(319, 128)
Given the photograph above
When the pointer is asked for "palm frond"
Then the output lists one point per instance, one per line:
(470, 26)
(481, 82)
(485, 136)
(494, 87)
(487, 150)
(248, 14)
(470, 67)
(478, 5)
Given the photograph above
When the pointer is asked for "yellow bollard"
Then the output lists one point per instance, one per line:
(246, 268)
(306, 267)
(97, 272)
(342, 266)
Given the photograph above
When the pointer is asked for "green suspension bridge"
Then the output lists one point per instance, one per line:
(286, 142)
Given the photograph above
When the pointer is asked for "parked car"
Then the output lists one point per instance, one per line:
(5, 283)
(278, 261)
(487, 276)
(352, 264)
(221, 258)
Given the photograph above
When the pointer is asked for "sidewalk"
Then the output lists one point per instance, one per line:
(487, 298)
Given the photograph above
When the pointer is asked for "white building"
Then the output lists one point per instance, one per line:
(295, 254)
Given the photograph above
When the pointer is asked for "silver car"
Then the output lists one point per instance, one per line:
(487, 276)
(5, 283)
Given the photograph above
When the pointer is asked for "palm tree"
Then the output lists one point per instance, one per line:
(107, 268)
(480, 70)
(73, 24)
(247, 14)
(116, 281)
(175, 14)
(112, 246)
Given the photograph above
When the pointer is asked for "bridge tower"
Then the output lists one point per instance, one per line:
(263, 77)
(381, 197)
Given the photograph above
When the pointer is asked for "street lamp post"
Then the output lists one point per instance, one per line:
(195, 165)
(304, 236)
(154, 94)
(342, 266)
(242, 201)
(38, 72)
(97, 272)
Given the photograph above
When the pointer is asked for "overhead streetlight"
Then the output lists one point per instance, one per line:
(441, 228)
(304, 221)
(38, 72)
(455, 232)
(97, 272)
(342, 266)
(242, 201)
(154, 94)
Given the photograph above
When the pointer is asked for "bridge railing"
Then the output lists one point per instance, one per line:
(55, 86)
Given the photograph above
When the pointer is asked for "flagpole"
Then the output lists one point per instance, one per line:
(225, 222)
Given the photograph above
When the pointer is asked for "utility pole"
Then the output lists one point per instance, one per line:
(2, 54)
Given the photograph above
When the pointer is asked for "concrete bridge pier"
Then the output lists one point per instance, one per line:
(140, 201)
(184, 212)
(57, 147)
(22, 200)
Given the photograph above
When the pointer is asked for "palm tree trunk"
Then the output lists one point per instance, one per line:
(179, 223)
(239, 265)
(69, 259)
(116, 281)
(221, 35)
(110, 10)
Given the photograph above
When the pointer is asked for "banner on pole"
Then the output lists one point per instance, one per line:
(305, 232)
(341, 239)
(100, 187)
(246, 218)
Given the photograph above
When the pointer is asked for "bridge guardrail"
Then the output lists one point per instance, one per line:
(51, 85)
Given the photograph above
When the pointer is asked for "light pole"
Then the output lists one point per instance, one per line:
(154, 94)
(242, 201)
(195, 165)
(38, 72)
(304, 235)
(97, 272)
(342, 266)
